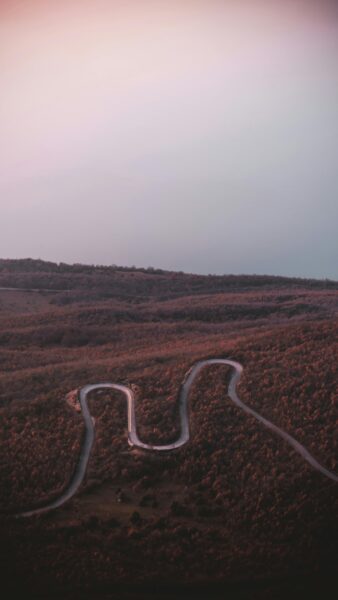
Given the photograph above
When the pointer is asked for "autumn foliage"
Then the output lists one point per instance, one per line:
(236, 504)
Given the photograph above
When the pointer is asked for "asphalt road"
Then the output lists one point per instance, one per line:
(134, 440)
(44, 290)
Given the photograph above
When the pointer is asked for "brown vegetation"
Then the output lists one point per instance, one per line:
(235, 504)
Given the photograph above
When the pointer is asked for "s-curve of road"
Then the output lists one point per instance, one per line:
(134, 440)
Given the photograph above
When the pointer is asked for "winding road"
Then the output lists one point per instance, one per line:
(134, 440)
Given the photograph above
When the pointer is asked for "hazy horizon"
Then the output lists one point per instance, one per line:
(197, 136)
(159, 268)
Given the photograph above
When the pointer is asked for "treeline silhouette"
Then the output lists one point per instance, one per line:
(113, 281)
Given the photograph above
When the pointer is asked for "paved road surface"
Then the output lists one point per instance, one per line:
(134, 440)
(44, 290)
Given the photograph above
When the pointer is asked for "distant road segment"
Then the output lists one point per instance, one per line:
(44, 290)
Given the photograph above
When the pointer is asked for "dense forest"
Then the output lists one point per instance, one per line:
(236, 509)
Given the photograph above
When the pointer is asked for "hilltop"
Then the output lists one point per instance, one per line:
(114, 281)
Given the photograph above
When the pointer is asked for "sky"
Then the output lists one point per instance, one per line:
(195, 135)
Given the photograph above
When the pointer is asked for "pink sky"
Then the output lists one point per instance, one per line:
(141, 112)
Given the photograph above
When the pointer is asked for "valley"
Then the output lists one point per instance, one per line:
(236, 506)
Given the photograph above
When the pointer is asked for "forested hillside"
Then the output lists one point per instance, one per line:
(236, 507)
